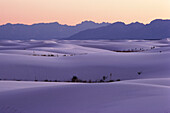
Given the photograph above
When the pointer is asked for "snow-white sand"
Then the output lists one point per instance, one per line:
(140, 96)
(89, 60)
(148, 92)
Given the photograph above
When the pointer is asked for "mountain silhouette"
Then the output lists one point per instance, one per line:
(43, 31)
(156, 29)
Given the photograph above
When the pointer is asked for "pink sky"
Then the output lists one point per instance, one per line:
(74, 11)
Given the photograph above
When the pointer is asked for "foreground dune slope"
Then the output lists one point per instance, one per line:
(137, 96)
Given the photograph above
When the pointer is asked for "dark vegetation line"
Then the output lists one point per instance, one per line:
(134, 50)
(75, 79)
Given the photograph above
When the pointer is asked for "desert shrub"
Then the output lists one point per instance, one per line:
(46, 80)
(101, 80)
(139, 73)
(74, 79)
(84, 81)
(104, 77)
(111, 81)
(51, 55)
(118, 80)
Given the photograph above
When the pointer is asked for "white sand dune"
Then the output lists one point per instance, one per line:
(92, 66)
(122, 97)
(147, 92)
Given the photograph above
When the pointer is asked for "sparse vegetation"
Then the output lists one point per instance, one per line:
(51, 55)
(103, 80)
(48, 55)
(76, 79)
(134, 50)
(130, 50)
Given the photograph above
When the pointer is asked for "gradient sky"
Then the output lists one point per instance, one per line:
(74, 11)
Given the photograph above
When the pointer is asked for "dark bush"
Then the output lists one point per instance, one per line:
(104, 78)
(139, 73)
(111, 80)
(84, 81)
(90, 81)
(46, 80)
(101, 81)
(75, 79)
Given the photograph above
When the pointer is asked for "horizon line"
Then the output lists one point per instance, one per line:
(82, 22)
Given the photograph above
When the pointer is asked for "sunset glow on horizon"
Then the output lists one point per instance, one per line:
(72, 12)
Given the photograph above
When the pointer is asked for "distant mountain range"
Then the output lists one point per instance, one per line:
(156, 29)
(43, 31)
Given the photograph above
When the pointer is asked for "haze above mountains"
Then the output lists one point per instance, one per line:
(87, 30)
